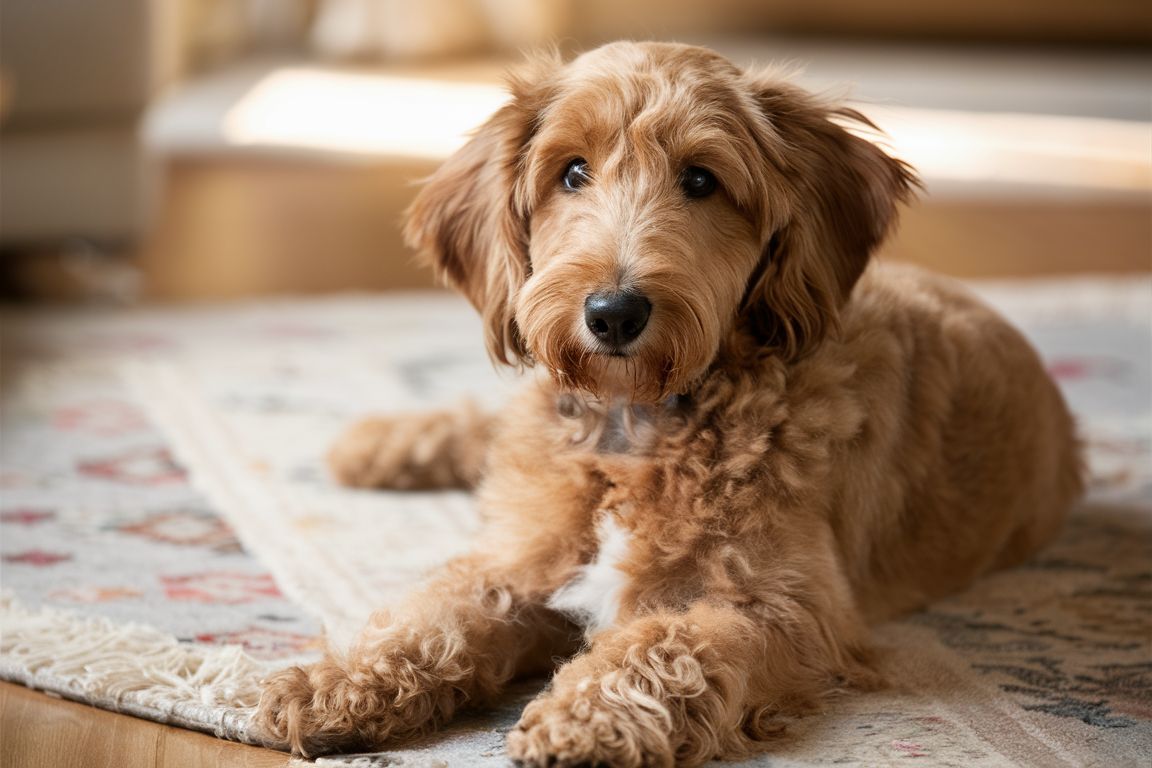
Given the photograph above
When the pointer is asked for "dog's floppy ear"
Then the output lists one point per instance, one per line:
(841, 194)
(465, 221)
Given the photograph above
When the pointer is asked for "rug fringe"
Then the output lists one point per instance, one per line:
(132, 668)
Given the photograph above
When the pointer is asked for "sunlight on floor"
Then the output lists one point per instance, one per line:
(360, 113)
(387, 115)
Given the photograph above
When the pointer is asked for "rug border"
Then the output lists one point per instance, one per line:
(134, 669)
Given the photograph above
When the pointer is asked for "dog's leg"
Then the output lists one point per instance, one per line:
(436, 449)
(673, 689)
(664, 688)
(455, 642)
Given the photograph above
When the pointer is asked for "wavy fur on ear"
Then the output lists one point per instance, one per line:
(843, 191)
(465, 221)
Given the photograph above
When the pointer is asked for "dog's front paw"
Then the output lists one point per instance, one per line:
(294, 713)
(317, 710)
(579, 728)
(404, 452)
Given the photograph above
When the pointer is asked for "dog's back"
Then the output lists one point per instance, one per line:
(969, 460)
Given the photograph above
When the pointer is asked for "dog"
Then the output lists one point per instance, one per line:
(741, 444)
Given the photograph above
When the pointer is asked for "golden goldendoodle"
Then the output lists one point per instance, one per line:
(741, 447)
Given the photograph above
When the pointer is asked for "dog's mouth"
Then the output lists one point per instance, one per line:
(626, 350)
(621, 374)
(623, 346)
(619, 354)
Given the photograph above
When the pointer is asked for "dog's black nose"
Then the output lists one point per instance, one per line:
(616, 318)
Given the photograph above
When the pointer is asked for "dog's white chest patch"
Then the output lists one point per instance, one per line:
(593, 597)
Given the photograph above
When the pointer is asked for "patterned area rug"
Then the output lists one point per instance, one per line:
(168, 534)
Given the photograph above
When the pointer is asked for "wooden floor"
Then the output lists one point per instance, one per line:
(40, 731)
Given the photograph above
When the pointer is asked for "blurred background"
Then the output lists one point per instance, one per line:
(174, 150)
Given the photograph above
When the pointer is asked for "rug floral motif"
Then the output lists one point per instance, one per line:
(97, 517)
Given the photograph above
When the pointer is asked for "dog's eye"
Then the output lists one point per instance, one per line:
(576, 174)
(697, 182)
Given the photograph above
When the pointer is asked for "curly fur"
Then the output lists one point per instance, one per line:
(797, 445)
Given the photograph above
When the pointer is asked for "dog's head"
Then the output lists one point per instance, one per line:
(625, 213)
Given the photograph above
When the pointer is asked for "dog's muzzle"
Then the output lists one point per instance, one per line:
(616, 318)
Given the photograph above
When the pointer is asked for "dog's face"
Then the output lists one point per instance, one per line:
(625, 213)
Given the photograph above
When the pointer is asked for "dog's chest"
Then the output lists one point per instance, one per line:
(621, 443)
(592, 597)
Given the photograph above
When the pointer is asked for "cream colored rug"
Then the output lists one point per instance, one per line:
(1049, 664)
